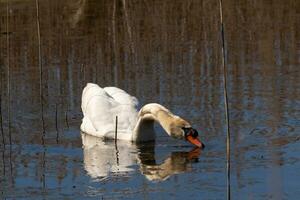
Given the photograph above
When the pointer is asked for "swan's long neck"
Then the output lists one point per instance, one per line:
(148, 114)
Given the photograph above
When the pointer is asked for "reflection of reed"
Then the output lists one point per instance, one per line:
(43, 177)
(10, 164)
(3, 161)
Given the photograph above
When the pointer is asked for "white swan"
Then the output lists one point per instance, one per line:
(100, 107)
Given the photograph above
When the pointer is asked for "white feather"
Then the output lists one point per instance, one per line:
(100, 107)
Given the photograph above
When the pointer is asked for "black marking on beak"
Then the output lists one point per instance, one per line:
(190, 131)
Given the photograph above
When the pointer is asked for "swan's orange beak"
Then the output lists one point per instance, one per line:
(195, 141)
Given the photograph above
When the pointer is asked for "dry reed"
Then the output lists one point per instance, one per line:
(225, 99)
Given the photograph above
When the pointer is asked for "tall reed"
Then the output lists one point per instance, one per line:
(128, 27)
(116, 130)
(40, 69)
(8, 73)
(116, 141)
(56, 123)
(225, 93)
(1, 118)
(115, 51)
(67, 118)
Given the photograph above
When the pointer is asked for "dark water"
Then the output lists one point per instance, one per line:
(159, 51)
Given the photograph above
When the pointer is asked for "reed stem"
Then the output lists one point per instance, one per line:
(8, 73)
(67, 119)
(115, 51)
(8, 90)
(116, 144)
(1, 118)
(40, 69)
(225, 99)
(56, 123)
(128, 27)
(116, 130)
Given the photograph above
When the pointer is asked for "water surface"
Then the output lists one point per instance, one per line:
(167, 52)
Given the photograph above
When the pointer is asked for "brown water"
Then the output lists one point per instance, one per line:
(159, 51)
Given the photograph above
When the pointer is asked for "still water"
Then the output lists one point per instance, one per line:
(159, 51)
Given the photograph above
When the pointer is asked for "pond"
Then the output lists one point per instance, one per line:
(169, 52)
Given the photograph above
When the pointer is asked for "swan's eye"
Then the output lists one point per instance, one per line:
(190, 131)
(186, 131)
(194, 133)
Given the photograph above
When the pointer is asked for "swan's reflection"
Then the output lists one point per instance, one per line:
(102, 158)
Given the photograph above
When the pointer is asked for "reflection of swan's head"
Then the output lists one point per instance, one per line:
(177, 162)
(103, 159)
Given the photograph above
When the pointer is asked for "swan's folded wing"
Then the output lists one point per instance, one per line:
(126, 109)
(97, 107)
(89, 92)
(121, 96)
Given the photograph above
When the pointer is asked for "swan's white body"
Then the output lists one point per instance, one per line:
(100, 107)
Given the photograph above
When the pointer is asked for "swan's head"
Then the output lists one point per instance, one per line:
(191, 135)
(181, 129)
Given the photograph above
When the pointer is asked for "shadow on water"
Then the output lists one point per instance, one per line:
(159, 51)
